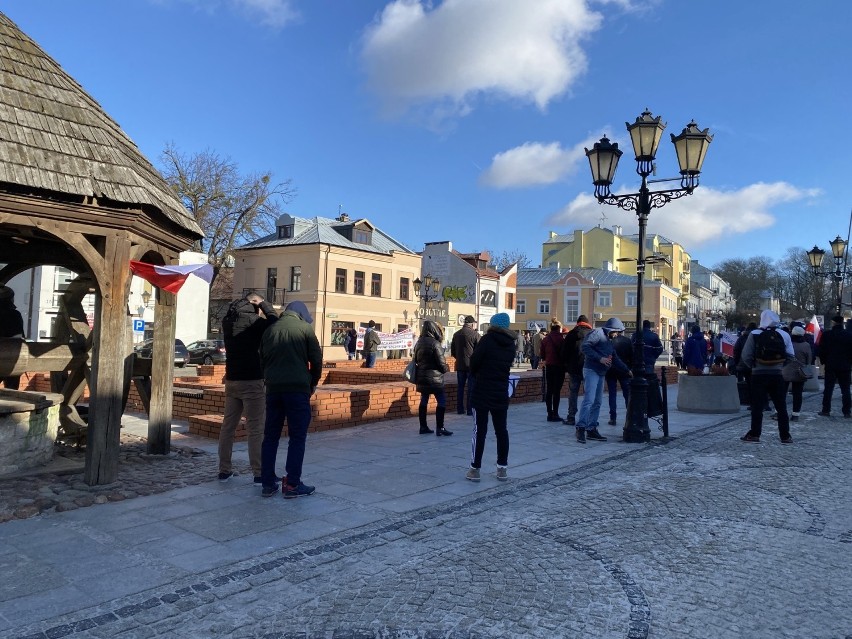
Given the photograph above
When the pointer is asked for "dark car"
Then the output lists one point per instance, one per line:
(145, 349)
(207, 351)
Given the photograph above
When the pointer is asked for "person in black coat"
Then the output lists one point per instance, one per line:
(835, 354)
(11, 326)
(624, 349)
(490, 365)
(431, 366)
(464, 341)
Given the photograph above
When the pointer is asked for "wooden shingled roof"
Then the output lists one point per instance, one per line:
(55, 138)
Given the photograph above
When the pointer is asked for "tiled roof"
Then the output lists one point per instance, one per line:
(55, 137)
(547, 276)
(323, 230)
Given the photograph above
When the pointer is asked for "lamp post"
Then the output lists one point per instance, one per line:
(691, 147)
(427, 290)
(840, 272)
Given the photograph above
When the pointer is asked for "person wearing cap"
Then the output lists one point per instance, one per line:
(599, 357)
(551, 353)
(11, 327)
(461, 347)
(292, 365)
(491, 363)
(242, 329)
(371, 344)
(835, 354)
(804, 355)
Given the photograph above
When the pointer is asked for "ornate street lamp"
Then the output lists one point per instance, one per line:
(691, 148)
(838, 251)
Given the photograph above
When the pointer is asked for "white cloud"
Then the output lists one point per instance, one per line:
(533, 164)
(417, 55)
(705, 215)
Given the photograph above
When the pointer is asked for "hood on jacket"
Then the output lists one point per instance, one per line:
(433, 330)
(301, 310)
(769, 318)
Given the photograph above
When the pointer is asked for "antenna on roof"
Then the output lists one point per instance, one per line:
(603, 219)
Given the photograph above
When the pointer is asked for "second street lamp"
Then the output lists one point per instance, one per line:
(838, 251)
(691, 147)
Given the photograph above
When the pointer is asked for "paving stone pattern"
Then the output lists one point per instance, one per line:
(704, 536)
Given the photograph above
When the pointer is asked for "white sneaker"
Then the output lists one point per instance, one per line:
(472, 474)
(501, 473)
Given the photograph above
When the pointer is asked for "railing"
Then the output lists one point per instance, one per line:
(274, 296)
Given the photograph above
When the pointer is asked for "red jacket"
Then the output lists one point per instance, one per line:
(551, 348)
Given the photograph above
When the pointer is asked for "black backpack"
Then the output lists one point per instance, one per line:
(769, 347)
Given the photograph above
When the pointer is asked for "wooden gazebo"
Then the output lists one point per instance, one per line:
(75, 191)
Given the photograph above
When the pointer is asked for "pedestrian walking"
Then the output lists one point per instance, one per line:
(461, 348)
(292, 366)
(11, 327)
(490, 364)
(551, 353)
(572, 360)
(599, 356)
(835, 354)
(766, 351)
(431, 366)
(371, 344)
(245, 395)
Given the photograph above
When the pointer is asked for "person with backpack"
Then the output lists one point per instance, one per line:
(572, 361)
(766, 351)
(835, 354)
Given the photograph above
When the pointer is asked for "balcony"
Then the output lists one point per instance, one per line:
(274, 296)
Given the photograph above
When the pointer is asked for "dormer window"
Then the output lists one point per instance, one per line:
(285, 232)
(362, 236)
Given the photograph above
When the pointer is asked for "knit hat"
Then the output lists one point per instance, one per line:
(469, 319)
(301, 310)
(6, 293)
(613, 324)
(501, 320)
(798, 330)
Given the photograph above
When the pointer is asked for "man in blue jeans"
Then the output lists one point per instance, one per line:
(292, 364)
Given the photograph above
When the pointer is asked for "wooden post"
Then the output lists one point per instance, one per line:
(162, 375)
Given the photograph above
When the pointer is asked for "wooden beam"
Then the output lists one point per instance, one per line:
(162, 375)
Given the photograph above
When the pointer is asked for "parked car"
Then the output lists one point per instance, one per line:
(146, 348)
(207, 351)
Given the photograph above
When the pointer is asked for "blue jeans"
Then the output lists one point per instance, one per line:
(371, 360)
(591, 406)
(464, 379)
(296, 409)
(612, 381)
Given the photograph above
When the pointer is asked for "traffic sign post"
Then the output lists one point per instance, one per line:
(138, 326)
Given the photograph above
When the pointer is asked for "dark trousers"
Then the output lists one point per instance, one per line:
(574, 382)
(544, 383)
(555, 379)
(796, 389)
(842, 379)
(774, 387)
(440, 397)
(499, 417)
(534, 360)
(612, 382)
(296, 409)
(464, 379)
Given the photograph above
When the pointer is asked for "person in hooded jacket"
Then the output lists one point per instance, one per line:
(695, 352)
(490, 363)
(461, 348)
(572, 360)
(624, 349)
(600, 356)
(431, 366)
(242, 329)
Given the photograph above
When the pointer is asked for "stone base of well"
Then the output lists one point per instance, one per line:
(29, 423)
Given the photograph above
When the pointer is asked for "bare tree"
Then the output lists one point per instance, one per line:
(749, 279)
(231, 208)
(501, 260)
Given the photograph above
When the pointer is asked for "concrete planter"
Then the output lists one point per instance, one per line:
(708, 394)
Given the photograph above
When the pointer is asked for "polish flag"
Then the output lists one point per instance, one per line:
(170, 278)
(813, 329)
(729, 339)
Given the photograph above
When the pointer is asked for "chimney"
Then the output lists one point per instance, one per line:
(616, 229)
(343, 217)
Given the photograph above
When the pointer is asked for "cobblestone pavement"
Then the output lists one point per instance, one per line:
(703, 536)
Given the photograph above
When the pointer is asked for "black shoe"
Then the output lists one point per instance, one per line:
(259, 480)
(425, 430)
(225, 476)
(569, 421)
(824, 413)
(581, 435)
(594, 435)
(748, 437)
(443, 432)
(554, 418)
(847, 415)
(460, 412)
(269, 491)
(787, 440)
(611, 422)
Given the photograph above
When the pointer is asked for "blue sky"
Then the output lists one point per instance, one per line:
(465, 120)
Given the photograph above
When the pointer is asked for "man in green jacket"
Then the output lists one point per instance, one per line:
(292, 364)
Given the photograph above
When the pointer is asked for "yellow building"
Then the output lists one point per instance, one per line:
(596, 293)
(347, 272)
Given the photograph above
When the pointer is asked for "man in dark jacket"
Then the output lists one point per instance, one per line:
(292, 366)
(835, 353)
(652, 346)
(11, 326)
(614, 376)
(242, 328)
(490, 364)
(572, 360)
(371, 344)
(464, 341)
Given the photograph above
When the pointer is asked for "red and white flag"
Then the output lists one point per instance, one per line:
(813, 329)
(170, 278)
(729, 339)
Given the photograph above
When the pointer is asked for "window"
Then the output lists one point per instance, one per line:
(544, 307)
(630, 298)
(359, 283)
(404, 288)
(295, 278)
(285, 232)
(510, 301)
(572, 310)
(338, 331)
(604, 298)
(521, 307)
(361, 237)
(271, 282)
(376, 285)
(340, 281)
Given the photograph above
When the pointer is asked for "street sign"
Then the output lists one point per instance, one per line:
(138, 326)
